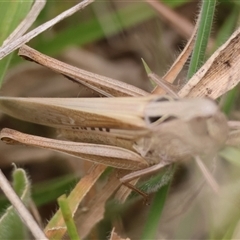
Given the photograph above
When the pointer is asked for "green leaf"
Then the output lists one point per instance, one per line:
(11, 226)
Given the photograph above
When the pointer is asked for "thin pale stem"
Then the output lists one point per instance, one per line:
(209, 178)
(20, 208)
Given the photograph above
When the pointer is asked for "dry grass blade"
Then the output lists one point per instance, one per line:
(101, 84)
(219, 74)
(96, 207)
(4, 51)
(178, 64)
(56, 228)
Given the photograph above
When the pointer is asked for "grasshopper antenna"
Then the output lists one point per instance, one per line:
(209, 178)
(166, 86)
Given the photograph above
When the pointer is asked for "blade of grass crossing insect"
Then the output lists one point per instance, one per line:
(152, 222)
(203, 33)
(155, 213)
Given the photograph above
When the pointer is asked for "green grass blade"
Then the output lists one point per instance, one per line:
(12, 13)
(152, 222)
(68, 219)
(203, 33)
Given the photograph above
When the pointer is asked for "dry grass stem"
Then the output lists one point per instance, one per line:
(27, 22)
(7, 49)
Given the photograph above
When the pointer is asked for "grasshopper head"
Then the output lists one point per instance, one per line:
(201, 129)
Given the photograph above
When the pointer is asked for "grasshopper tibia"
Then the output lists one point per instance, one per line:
(140, 173)
(138, 191)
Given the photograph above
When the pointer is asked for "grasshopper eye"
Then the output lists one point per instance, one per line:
(166, 98)
(161, 118)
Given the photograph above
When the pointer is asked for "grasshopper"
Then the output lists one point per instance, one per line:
(142, 134)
